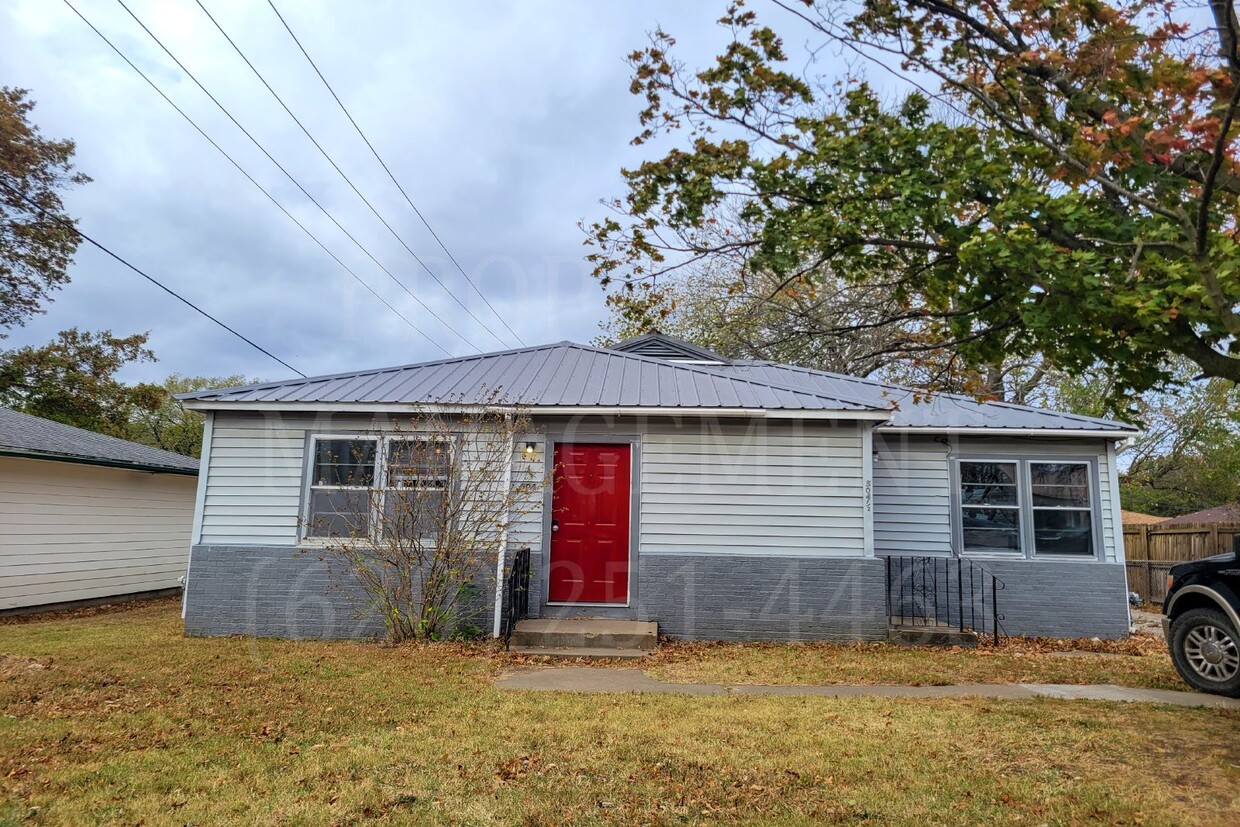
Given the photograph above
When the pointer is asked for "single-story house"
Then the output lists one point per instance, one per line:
(1229, 513)
(1140, 518)
(739, 499)
(85, 516)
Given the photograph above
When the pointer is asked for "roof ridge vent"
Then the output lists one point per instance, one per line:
(656, 345)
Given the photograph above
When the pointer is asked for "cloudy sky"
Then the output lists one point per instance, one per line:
(505, 122)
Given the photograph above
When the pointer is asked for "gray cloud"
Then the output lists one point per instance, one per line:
(505, 122)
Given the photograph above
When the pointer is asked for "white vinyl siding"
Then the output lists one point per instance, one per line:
(760, 488)
(256, 474)
(767, 489)
(913, 487)
(254, 481)
(75, 532)
(912, 498)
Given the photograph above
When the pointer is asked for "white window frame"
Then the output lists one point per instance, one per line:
(380, 482)
(1094, 509)
(310, 487)
(1018, 483)
(385, 483)
(1024, 498)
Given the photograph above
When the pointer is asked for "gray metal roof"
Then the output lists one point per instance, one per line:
(572, 375)
(918, 409)
(662, 346)
(560, 375)
(32, 436)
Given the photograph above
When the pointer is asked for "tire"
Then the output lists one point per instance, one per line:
(1205, 649)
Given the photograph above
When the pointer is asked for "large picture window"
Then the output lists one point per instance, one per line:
(1026, 507)
(363, 486)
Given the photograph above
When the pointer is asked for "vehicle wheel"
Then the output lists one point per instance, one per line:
(1206, 651)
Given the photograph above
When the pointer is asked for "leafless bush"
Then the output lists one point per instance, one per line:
(418, 513)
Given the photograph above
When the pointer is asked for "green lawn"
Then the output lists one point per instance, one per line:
(116, 718)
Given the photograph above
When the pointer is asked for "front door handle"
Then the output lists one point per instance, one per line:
(555, 525)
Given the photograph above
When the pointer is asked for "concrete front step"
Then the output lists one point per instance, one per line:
(585, 633)
(590, 652)
(931, 635)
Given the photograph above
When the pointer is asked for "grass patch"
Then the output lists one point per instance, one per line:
(116, 718)
(1139, 661)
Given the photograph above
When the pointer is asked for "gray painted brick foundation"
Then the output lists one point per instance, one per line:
(278, 591)
(1039, 598)
(759, 597)
(1062, 598)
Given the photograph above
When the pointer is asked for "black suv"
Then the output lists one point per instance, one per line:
(1202, 622)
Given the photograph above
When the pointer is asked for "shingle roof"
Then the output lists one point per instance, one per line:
(560, 375)
(25, 435)
(1229, 513)
(914, 409)
(572, 375)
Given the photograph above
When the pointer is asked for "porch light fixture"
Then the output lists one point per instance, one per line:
(529, 449)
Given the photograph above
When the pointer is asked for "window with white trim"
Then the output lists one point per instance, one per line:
(340, 485)
(1062, 508)
(1027, 507)
(989, 506)
(415, 499)
(361, 486)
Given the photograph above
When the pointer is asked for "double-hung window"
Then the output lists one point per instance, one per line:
(989, 506)
(1062, 508)
(372, 487)
(415, 501)
(340, 487)
(1027, 507)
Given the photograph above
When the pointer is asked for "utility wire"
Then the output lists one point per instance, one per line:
(346, 178)
(69, 225)
(375, 153)
(293, 180)
(253, 181)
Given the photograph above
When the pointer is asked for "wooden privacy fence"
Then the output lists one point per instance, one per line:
(1152, 549)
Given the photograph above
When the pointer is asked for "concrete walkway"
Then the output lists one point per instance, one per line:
(586, 679)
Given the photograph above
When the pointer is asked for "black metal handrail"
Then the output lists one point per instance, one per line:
(516, 593)
(944, 591)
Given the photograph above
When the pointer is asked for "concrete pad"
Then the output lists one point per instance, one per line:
(1110, 692)
(587, 679)
(1008, 691)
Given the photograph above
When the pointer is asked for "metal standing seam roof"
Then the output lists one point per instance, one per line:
(565, 374)
(37, 438)
(913, 409)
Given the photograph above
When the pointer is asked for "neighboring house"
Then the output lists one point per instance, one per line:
(85, 516)
(1137, 518)
(739, 499)
(1219, 514)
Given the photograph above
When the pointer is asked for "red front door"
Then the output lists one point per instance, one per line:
(590, 524)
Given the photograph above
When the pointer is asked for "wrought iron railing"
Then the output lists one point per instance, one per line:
(944, 591)
(516, 593)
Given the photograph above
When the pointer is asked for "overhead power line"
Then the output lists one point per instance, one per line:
(347, 179)
(68, 225)
(386, 169)
(255, 182)
(293, 179)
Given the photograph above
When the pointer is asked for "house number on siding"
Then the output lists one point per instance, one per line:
(868, 495)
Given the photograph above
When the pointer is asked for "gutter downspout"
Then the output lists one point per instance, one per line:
(503, 540)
